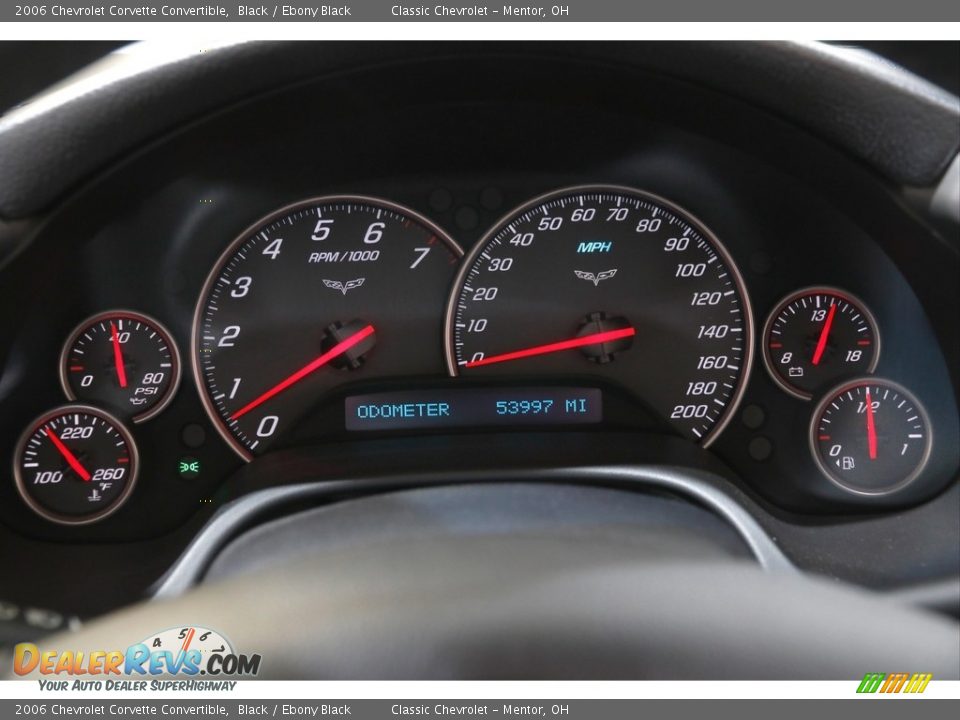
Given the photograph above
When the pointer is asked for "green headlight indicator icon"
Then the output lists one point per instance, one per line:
(189, 468)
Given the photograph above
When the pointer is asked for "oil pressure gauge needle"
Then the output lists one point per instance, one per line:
(336, 351)
(118, 356)
(69, 456)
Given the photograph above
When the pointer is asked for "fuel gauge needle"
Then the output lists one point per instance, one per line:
(68, 456)
(871, 429)
(336, 351)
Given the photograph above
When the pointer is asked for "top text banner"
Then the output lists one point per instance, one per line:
(463, 11)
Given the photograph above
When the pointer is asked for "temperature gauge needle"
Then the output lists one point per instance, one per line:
(594, 339)
(871, 429)
(339, 349)
(118, 356)
(824, 334)
(69, 456)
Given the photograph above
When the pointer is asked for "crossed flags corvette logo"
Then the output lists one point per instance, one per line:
(590, 277)
(344, 286)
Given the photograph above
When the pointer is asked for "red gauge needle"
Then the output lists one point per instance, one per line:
(824, 334)
(69, 456)
(187, 640)
(118, 356)
(594, 339)
(339, 349)
(871, 429)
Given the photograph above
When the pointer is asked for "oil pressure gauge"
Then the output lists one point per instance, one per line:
(818, 336)
(121, 360)
(870, 436)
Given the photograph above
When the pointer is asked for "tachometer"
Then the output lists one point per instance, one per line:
(613, 282)
(317, 294)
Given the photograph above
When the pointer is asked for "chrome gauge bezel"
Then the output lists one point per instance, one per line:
(42, 420)
(175, 359)
(471, 257)
(230, 250)
(792, 297)
(843, 387)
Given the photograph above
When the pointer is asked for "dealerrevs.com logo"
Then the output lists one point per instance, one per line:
(184, 651)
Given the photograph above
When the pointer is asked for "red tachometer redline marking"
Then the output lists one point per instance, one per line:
(824, 334)
(76, 368)
(863, 342)
(871, 429)
(118, 356)
(776, 345)
(824, 437)
(337, 350)
(69, 456)
(594, 339)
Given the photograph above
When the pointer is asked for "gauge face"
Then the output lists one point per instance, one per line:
(870, 436)
(201, 640)
(818, 336)
(75, 465)
(610, 282)
(324, 292)
(121, 360)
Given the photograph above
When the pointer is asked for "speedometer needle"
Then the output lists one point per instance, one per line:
(118, 356)
(824, 334)
(594, 339)
(871, 429)
(68, 456)
(339, 349)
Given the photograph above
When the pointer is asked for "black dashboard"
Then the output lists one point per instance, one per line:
(838, 288)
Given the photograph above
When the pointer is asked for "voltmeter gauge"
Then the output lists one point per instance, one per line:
(75, 465)
(121, 360)
(818, 336)
(870, 436)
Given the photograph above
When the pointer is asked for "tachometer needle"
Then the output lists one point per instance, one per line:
(594, 339)
(339, 349)
(118, 356)
(69, 456)
(824, 334)
(871, 429)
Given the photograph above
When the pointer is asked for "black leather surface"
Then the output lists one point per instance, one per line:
(904, 127)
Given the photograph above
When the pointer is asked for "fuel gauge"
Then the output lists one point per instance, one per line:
(870, 436)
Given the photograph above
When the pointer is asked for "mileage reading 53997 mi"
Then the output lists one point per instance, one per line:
(475, 407)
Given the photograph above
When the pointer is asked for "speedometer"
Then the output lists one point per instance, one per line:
(611, 282)
(318, 294)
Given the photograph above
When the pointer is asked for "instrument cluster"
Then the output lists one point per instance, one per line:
(588, 307)
(294, 288)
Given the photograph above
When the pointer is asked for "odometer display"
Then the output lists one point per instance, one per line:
(324, 292)
(610, 282)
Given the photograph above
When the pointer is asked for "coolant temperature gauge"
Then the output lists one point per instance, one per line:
(870, 436)
(121, 360)
(75, 465)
